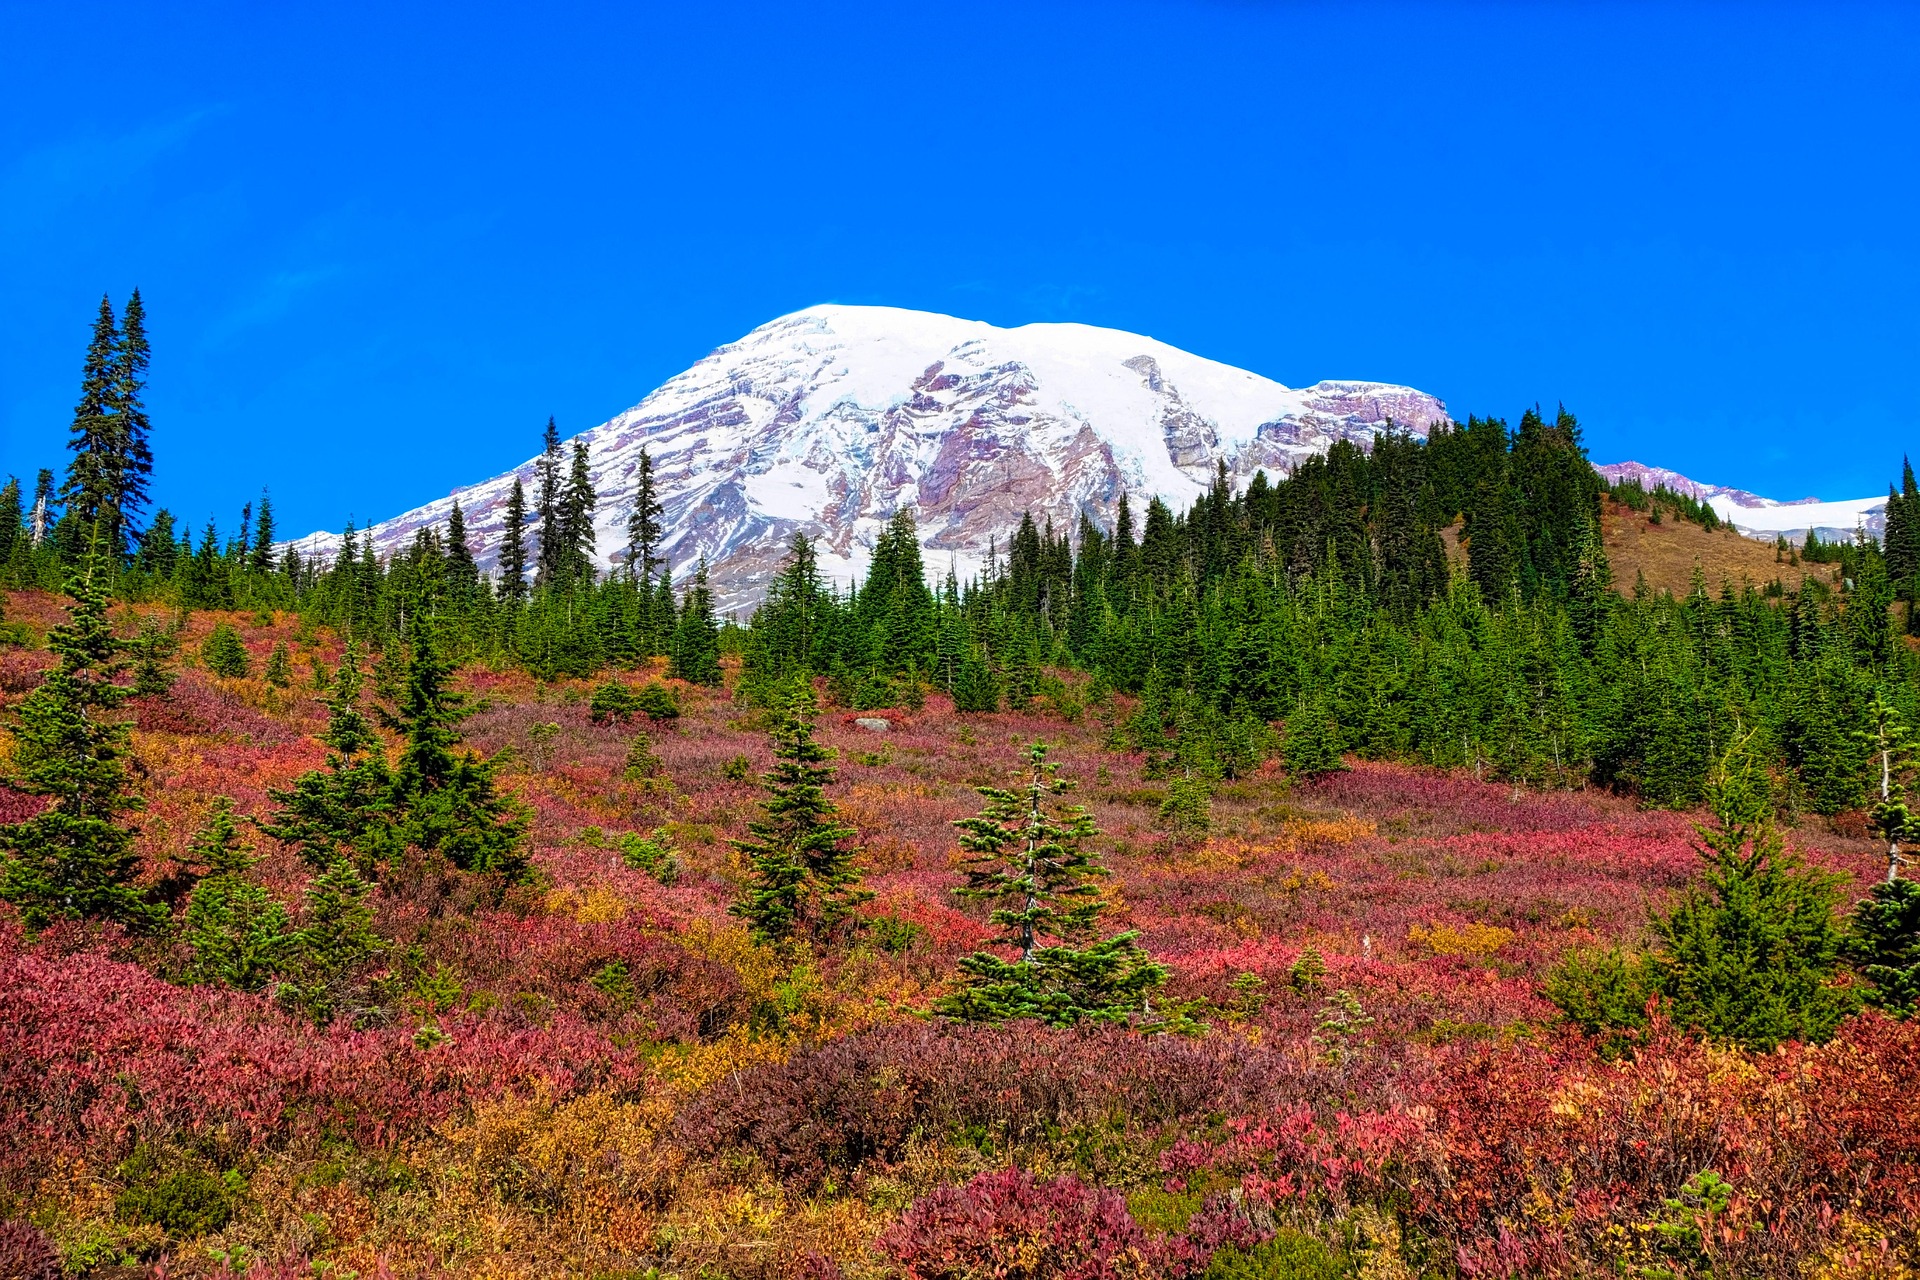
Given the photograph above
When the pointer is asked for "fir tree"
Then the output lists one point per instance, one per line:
(695, 654)
(1748, 952)
(75, 859)
(448, 801)
(344, 810)
(644, 527)
(1884, 944)
(462, 572)
(279, 671)
(333, 946)
(1311, 746)
(12, 519)
(237, 933)
(553, 544)
(513, 547)
(801, 872)
(224, 654)
(1892, 748)
(260, 561)
(93, 477)
(1027, 856)
(577, 503)
(152, 677)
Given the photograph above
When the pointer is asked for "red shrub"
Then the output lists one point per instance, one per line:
(1007, 1225)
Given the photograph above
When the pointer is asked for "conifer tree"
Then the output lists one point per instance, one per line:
(279, 671)
(644, 527)
(1884, 944)
(576, 519)
(1027, 857)
(695, 655)
(152, 678)
(12, 518)
(448, 801)
(1748, 952)
(344, 810)
(333, 946)
(93, 476)
(1891, 744)
(553, 546)
(462, 572)
(513, 547)
(1311, 746)
(260, 561)
(224, 653)
(801, 872)
(75, 859)
(238, 934)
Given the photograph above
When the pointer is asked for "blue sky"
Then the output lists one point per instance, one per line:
(379, 244)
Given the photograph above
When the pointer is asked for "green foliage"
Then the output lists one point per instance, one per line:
(1605, 993)
(75, 859)
(152, 677)
(613, 703)
(1308, 968)
(1311, 746)
(333, 946)
(1748, 952)
(656, 702)
(279, 672)
(1188, 809)
(1339, 1026)
(802, 878)
(185, 1203)
(1027, 857)
(237, 933)
(1290, 1255)
(614, 981)
(642, 761)
(694, 655)
(344, 810)
(223, 654)
(653, 854)
(1883, 942)
(736, 768)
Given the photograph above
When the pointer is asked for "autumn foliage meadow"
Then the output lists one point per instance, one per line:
(599, 1073)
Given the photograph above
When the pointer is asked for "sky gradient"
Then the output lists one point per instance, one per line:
(378, 248)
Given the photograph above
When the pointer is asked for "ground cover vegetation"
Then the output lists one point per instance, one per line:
(1340, 878)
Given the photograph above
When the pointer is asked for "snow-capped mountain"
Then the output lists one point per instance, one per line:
(829, 420)
(1759, 517)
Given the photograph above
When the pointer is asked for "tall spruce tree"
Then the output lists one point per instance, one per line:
(237, 933)
(344, 810)
(577, 503)
(93, 474)
(1028, 859)
(695, 653)
(644, 528)
(801, 878)
(553, 545)
(331, 951)
(260, 561)
(447, 802)
(513, 547)
(75, 859)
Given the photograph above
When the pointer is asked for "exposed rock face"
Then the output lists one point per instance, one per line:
(829, 420)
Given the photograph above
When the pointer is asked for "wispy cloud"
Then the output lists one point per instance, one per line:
(39, 187)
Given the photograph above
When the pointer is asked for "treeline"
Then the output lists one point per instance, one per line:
(1325, 606)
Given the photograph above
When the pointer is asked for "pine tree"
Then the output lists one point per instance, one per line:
(152, 678)
(238, 934)
(448, 802)
(513, 547)
(224, 653)
(644, 527)
(1030, 860)
(576, 519)
(279, 672)
(695, 655)
(75, 859)
(333, 946)
(12, 519)
(343, 810)
(1884, 944)
(261, 559)
(975, 689)
(1311, 746)
(133, 454)
(552, 536)
(93, 477)
(462, 573)
(802, 877)
(1748, 952)
(1891, 744)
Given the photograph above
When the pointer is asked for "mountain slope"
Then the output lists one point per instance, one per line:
(829, 420)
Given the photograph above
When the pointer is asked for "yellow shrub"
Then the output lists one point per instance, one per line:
(596, 904)
(1466, 940)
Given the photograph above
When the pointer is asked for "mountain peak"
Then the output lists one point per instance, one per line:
(828, 420)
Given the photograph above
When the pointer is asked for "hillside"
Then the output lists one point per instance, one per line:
(1667, 553)
(600, 1073)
